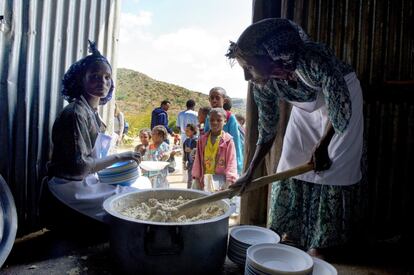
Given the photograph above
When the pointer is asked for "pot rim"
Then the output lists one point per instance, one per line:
(108, 203)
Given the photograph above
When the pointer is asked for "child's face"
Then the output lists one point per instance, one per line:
(144, 138)
(189, 133)
(97, 80)
(157, 138)
(217, 122)
(216, 99)
(201, 117)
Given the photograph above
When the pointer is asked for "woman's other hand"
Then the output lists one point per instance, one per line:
(320, 157)
(130, 155)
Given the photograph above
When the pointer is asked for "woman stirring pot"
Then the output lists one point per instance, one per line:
(318, 209)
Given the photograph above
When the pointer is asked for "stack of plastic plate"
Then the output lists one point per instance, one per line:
(121, 173)
(320, 267)
(244, 236)
(277, 259)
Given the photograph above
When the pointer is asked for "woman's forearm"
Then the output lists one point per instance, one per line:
(320, 155)
(105, 162)
(259, 154)
(102, 163)
(327, 136)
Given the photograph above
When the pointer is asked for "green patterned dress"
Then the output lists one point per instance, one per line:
(314, 214)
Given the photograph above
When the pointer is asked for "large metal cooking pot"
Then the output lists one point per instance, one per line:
(145, 247)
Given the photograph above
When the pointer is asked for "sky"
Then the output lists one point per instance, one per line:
(184, 41)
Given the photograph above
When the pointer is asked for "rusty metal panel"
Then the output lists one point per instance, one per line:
(374, 36)
(39, 40)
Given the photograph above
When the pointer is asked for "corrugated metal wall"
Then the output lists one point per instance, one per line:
(376, 38)
(40, 40)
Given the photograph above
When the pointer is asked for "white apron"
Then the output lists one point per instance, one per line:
(87, 196)
(307, 124)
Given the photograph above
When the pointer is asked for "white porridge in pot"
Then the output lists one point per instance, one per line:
(164, 210)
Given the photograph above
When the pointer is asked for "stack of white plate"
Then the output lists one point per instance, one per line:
(320, 267)
(121, 173)
(244, 236)
(277, 259)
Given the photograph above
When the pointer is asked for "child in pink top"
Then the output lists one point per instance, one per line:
(216, 153)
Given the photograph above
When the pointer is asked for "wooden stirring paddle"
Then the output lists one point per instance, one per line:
(255, 184)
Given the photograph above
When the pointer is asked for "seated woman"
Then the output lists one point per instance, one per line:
(78, 140)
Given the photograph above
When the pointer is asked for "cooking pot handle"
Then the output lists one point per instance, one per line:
(167, 240)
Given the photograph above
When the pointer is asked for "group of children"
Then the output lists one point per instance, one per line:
(210, 148)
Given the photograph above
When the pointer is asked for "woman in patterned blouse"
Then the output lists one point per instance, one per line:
(318, 209)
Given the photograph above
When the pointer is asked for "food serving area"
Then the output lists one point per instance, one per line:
(56, 252)
(375, 37)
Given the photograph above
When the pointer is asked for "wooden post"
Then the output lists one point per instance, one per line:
(254, 205)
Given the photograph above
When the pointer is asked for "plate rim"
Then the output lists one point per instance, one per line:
(265, 269)
(321, 262)
(265, 230)
(8, 208)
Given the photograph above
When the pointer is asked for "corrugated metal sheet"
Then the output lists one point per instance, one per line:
(40, 40)
(389, 129)
(375, 36)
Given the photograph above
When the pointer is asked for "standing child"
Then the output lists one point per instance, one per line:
(216, 152)
(217, 98)
(202, 115)
(158, 150)
(119, 124)
(189, 148)
(145, 138)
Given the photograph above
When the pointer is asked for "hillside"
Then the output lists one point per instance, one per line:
(138, 94)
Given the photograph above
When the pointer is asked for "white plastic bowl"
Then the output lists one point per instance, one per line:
(320, 267)
(250, 235)
(153, 165)
(279, 259)
(142, 183)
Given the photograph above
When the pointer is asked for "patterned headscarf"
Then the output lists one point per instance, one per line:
(72, 82)
(280, 39)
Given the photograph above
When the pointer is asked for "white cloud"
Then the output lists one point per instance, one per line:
(191, 57)
(131, 21)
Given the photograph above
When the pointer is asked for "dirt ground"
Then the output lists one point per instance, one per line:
(47, 252)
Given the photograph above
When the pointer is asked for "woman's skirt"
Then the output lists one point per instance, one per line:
(315, 215)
